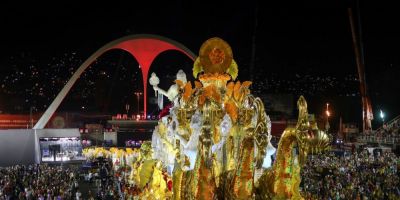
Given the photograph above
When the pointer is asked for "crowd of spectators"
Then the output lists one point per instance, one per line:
(104, 181)
(359, 175)
(47, 182)
(356, 176)
(38, 182)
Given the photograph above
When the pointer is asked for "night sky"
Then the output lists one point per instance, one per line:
(297, 51)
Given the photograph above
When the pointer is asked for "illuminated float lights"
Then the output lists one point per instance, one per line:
(134, 117)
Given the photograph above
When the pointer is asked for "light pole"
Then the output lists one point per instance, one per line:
(328, 114)
(382, 115)
(127, 109)
(138, 99)
(30, 117)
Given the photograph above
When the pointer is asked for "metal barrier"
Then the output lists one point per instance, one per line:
(378, 139)
(390, 124)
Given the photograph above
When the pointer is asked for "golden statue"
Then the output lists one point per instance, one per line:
(223, 130)
(283, 180)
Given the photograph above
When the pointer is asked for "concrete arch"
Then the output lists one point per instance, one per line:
(143, 47)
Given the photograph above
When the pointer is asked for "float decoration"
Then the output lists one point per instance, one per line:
(215, 141)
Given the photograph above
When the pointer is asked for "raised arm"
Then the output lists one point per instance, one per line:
(184, 142)
(159, 90)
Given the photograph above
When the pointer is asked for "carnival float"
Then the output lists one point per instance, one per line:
(215, 141)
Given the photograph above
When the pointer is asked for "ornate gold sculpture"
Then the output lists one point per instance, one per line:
(215, 144)
(215, 57)
(283, 180)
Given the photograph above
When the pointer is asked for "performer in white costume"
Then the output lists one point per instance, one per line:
(270, 149)
(225, 127)
(190, 146)
(163, 143)
(173, 90)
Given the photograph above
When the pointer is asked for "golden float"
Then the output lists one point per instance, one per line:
(215, 142)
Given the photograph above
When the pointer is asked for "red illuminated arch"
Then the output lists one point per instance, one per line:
(144, 48)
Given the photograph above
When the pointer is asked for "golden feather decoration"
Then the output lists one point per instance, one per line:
(202, 99)
(245, 88)
(145, 172)
(180, 83)
(229, 89)
(236, 91)
(197, 84)
(197, 68)
(233, 70)
(187, 91)
(246, 84)
(231, 109)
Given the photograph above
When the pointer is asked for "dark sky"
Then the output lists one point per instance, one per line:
(295, 38)
(301, 36)
(302, 39)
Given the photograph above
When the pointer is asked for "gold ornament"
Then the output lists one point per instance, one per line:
(215, 56)
(197, 68)
(233, 70)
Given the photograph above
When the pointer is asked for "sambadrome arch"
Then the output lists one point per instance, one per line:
(144, 48)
